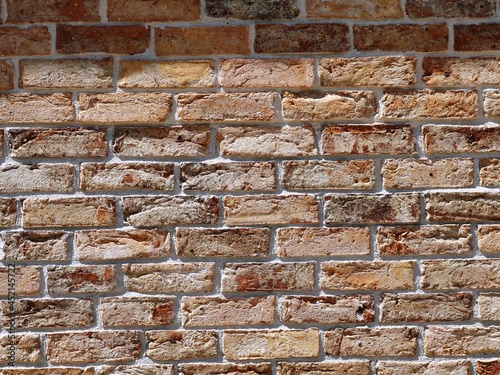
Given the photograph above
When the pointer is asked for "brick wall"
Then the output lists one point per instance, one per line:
(261, 187)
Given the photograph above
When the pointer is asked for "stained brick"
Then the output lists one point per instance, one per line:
(28, 348)
(137, 311)
(26, 11)
(259, 10)
(224, 368)
(423, 368)
(477, 37)
(487, 367)
(454, 71)
(461, 341)
(488, 239)
(33, 108)
(489, 173)
(450, 9)
(7, 212)
(334, 368)
(177, 345)
(153, 10)
(6, 75)
(32, 41)
(27, 280)
(358, 10)
(35, 246)
(462, 206)
(81, 279)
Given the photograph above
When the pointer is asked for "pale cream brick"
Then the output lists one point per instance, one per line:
(453, 71)
(27, 280)
(462, 206)
(43, 177)
(446, 341)
(179, 345)
(423, 368)
(33, 108)
(488, 239)
(489, 306)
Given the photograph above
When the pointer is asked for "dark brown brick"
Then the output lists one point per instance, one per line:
(153, 10)
(32, 41)
(252, 10)
(25, 11)
(450, 8)
(479, 37)
(6, 75)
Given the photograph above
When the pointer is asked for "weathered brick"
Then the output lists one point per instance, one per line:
(425, 104)
(34, 108)
(178, 345)
(27, 280)
(136, 369)
(233, 242)
(124, 107)
(488, 239)
(270, 209)
(153, 142)
(220, 311)
(81, 279)
(124, 40)
(460, 274)
(328, 309)
(19, 178)
(153, 10)
(372, 342)
(358, 10)
(423, 368)
(301, 38)
(331, 368)
(461, 341)
(424, 240)
(270, 344)
(246, 277)
(454, 71)
(6, 75)
(66, 74)
(204, 40)
(491, 103)
(49, 313)
(488, 367)
(125, 176)
(477, 37)
(288, 73)
(368, 71)
(35, 246)
(27, 349)
(224, 368)
(317, 106)
(489, 306)
(32, 41)
(26, 11)
(57, 143)
(425, 173)
(137, 311)
(267, 141)
(322, 242)
(258, 10)
(7, 212)
(450, 9)
(151, 211)
(228, 107)
(49, 371)
(401, 37)
(372, 208)
(489, 173)
(367, 139)
(166, 74)
(170, 277)
(462, 207)
(68, 212)
(367, 275)
(98, 245)
(93, 346)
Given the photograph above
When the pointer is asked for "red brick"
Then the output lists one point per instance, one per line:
(25, 11)
(488, 367)
(358, 10)
(478, 37)
(450, 9)
(6, 75)
(153, 10)
(32, 41)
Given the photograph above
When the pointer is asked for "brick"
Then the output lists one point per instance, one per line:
(489, 367)
(383, 71)
(136, 369)
(153, 10)
(125, 176)
(424, 240)
(137, 311)
(227, 243)
(122, 40)
(81, 279)
(401, 37)
(372, 208)
(341, 174)
(462, 206)
(49, 371)
(423, 368)
(224, 368)
(7, 212)
(258, 10)
(366, 275)
(270, 344)
(425, 104)
(166, 142)
(151, 211)
(267, 141)
(359, 10)
(32, 41)
(286, 73)
(57, 143)
(170, 277)
(35, 246)
(27, 348)
(412, 307)
(322, 242)
(96, 245)
(375, 139)
(460, 274)
(6, 75)
(26, 11)
(450, 9)
(454, 71)
(317, 106)
(232, 176)
(488, 239)
(178, 345)
(227, 107)
(489, 306)
(166, 74)
(93, 346)
(246, 277)
(327, 309)
(332, 368)
(489, 173)
(49, 313)
(461, 341)
(301, 38)
(124, 107)
(66, 74)
(220, 312)
(19, 178)
(372, 342)
(477, 37)
(426, 173)
(69, 212)
(27, 280)
(453, 139)
(33, 108)
(269, 209)
(204, 40)
(491, 103)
